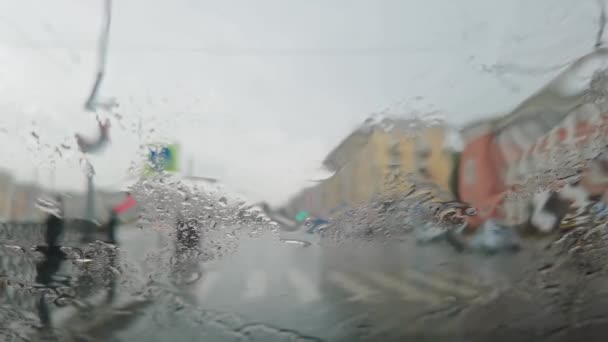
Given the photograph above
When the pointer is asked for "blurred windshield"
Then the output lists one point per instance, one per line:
(303, 171)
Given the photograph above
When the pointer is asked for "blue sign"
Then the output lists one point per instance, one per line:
(159, 158)
(162, 159)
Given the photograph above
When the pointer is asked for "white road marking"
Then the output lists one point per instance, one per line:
(483, 278)
(407, 291)
(431, 280)
(207, 282)
(461, 275)
(360, 291)
(256, 285)
(306, 289)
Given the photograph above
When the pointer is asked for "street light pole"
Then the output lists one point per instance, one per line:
(89, 229)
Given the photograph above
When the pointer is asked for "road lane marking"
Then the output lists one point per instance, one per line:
(360, 292)
(436, 282)
(460, 276)
(306, 289)
(208, 280)
(256, 284)
(481, 277)
(407, 291)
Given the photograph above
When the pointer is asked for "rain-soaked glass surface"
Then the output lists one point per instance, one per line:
(319, 170)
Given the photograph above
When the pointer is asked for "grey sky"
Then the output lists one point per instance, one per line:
(259, 91)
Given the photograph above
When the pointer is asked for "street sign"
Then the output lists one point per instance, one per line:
(162, 158)
(301, 216)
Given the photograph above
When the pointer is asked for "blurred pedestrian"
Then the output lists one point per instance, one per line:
(54, 225)
(114, 220)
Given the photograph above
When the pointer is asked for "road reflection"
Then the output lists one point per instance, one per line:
(72, 288)
(274, 290)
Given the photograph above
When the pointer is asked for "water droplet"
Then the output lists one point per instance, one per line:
(300, 243)
(15, 248)
(58, 152)
(48, 206)
(62, 301)
(83, 260)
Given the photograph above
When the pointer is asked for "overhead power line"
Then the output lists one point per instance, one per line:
(247, 51)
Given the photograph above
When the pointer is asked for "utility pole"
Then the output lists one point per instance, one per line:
(89, 230)
(90, 213)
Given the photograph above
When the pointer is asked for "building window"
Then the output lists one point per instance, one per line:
(424, 171)
(395, 154)
(423, 150)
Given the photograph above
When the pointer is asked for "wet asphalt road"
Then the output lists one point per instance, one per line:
(275, 288)
(367, 291)
(357, 291)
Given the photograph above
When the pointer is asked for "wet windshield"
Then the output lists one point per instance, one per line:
(303, 171)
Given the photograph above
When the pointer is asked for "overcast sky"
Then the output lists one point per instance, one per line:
(258, 92)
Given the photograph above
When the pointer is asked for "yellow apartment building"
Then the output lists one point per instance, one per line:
(374, 160)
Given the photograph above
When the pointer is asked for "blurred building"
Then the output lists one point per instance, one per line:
(558, 127)
(481, 170)
(19, 202)
(378, 158)
(6, 194)
(24, 202)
